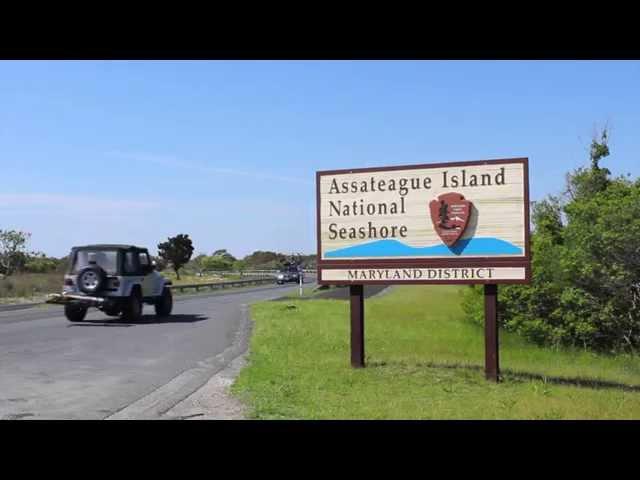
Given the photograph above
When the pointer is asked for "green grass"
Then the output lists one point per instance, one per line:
(424, 361)
(29, 286)
(190, 278)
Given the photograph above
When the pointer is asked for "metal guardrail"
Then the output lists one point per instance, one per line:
(230, 284)
(257, 273)
(221, 285)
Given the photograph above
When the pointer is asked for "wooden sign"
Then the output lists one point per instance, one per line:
(462, 222)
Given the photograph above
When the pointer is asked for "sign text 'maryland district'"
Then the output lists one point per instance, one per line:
(429, 274)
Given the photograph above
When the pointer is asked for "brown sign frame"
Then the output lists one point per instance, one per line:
(407, 263)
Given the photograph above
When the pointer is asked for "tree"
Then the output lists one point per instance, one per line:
(198, 263)
(239, 266)
(13, 250)
(585, 286)
(264, 260)
(217, 263)
(308, 261)
(585, 182)
(40, 263)
(177, 251)
(223, 253)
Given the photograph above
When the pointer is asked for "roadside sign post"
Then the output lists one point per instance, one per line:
(491, 359)
(440, 224)
(357, 325)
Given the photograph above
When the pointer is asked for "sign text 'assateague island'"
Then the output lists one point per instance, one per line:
(461, 222)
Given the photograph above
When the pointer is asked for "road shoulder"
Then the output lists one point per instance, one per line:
(213, 400)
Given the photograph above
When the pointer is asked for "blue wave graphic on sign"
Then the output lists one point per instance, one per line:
(394, 248)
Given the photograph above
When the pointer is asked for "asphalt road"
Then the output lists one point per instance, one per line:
(102, 368)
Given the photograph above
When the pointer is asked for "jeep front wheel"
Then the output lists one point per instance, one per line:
(132, 311)
(75, 313)
(164, 305)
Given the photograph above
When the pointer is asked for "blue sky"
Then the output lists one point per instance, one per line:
(226, 151)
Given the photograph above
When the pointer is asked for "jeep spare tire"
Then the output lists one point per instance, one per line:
(91, 279)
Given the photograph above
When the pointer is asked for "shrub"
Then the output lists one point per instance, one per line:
(585, 288)
(41, 264)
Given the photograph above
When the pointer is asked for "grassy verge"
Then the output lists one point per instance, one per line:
(29, 287)
(186, 279)
(424, 362)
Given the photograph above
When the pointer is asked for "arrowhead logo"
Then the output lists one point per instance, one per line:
(450, 214)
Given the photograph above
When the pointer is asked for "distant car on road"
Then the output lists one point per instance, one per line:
(291, 273)
(117, 279)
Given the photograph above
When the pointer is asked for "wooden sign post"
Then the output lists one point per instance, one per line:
(357, 325)
(491, 359)
(447, 223)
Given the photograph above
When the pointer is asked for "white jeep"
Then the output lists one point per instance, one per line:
(117, 279)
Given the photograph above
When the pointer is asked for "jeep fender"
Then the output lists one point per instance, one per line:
(136, 290)
(128, 284)
(154, 283)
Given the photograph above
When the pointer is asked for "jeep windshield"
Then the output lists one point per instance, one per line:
(105, 259)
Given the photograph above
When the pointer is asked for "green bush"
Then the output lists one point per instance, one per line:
(41, 264)
(585, 289)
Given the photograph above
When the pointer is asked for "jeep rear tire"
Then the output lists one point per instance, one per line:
(132, 311)
(75, 313)
(164, 305)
